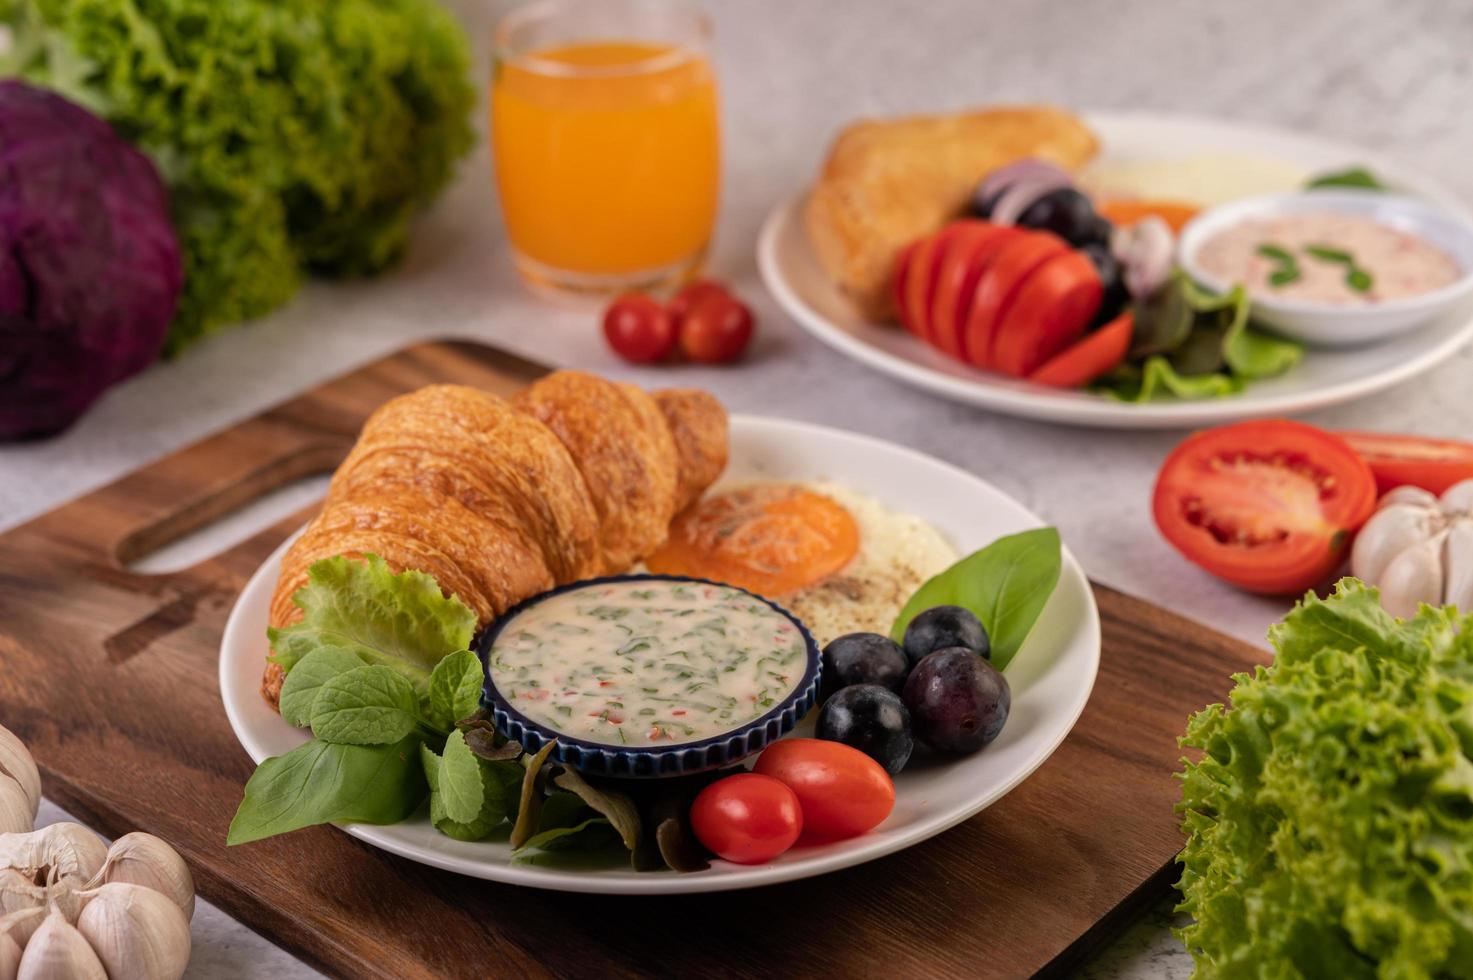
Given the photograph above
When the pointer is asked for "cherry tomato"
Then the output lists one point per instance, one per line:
(897, 284)
(999, 283)
(1096, 354)
(1398, 461)
(844, 792)
(639, 329)
(1270, 506)
(716, 330)
(1049, 311)
(747, 818)
(693, 293)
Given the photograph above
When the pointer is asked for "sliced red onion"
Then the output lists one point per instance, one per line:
(1017, 170)
(1018, 196)
(1145, 252)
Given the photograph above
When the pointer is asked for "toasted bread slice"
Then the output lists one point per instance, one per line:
(887, 182)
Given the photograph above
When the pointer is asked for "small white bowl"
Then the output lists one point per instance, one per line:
(1332, 324)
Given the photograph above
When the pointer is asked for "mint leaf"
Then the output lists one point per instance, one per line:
(1006, 584)
(499, 780)
(401, 621)
(315, 669)
(455, 689)
(461, 787)
(321, 782)
(369, 705)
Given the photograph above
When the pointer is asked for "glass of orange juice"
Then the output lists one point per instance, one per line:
(607, 144)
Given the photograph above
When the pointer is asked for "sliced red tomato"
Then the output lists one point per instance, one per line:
(923, 273)
(998, 285)
(956, 279)
(1050, 311)
(1270, 506)
(1399, 461)
(1097, 354)
(897, 283)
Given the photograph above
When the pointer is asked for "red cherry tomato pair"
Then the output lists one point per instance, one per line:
(707, 323)
(823, 790)
(1008, 299)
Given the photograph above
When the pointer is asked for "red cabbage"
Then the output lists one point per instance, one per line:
(90, 271)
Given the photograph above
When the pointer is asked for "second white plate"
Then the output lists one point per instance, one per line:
(1050, 680)
(1325, 377)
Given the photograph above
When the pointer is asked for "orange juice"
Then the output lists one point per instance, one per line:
(607, 157)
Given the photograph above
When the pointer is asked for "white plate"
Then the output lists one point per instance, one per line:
(1324, 377)
(1051, 678)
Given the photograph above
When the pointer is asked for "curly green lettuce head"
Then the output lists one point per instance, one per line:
(293, 136)
(1330, 818)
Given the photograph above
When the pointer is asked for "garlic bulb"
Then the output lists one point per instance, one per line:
(143, 859)
(17, 764)
(15, 808)
(1418, 549)
(59, 950)
(137, 933)
(62, 850)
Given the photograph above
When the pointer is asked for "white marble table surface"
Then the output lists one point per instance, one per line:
(1389, 74)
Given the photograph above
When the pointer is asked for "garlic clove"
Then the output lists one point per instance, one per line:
(1388, 533)
(1415, 496)
(138, 933)
(1457, 561)
(143, 859)
(59, 951)
(21, 925)
(16, 816)
(16, 762)
(17, 892)
(1413, 577)
(1457, 500)
(62, 850)
(9, 957)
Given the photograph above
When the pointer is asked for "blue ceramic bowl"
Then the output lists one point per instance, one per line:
(644, 761)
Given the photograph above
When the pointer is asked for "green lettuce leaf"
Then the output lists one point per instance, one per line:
(401, 621)
(1330, 813)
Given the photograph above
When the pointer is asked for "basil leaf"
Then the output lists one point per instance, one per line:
(455, 689)
(299, 691)
(369, 705)
(322, 782)
(460, 784)
(1006, 584)
(1351, 177)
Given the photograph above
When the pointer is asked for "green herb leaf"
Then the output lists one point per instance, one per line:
(1277, 253)
(455, 689)
(461, 787)
(620, 810)
(1359, 280)
(1006, 584)
(401, 621)
(567, 823)
(368, 705)
(1328, 253)
(1352, 177)
(529, 806)
(321, 782)
(499, 782)
(299, 691)
(1283, 277)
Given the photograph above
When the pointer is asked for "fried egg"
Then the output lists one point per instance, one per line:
(840, 561)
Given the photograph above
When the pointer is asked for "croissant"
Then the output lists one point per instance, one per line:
(499, 500)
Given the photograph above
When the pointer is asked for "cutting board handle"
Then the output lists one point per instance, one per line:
(186, 490)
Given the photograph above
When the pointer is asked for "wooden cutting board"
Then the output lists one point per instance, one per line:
(110, 678)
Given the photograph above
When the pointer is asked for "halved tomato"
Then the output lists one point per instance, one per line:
(1096, 354)
(922, 271)
(1050, 311)
(1398, 461)
(956, 280)
(1270, 506)
(1000, 281)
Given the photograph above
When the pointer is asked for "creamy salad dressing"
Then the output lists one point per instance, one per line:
(1397, 264)
(647, 662)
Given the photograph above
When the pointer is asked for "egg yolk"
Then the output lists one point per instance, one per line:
(771, 539)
